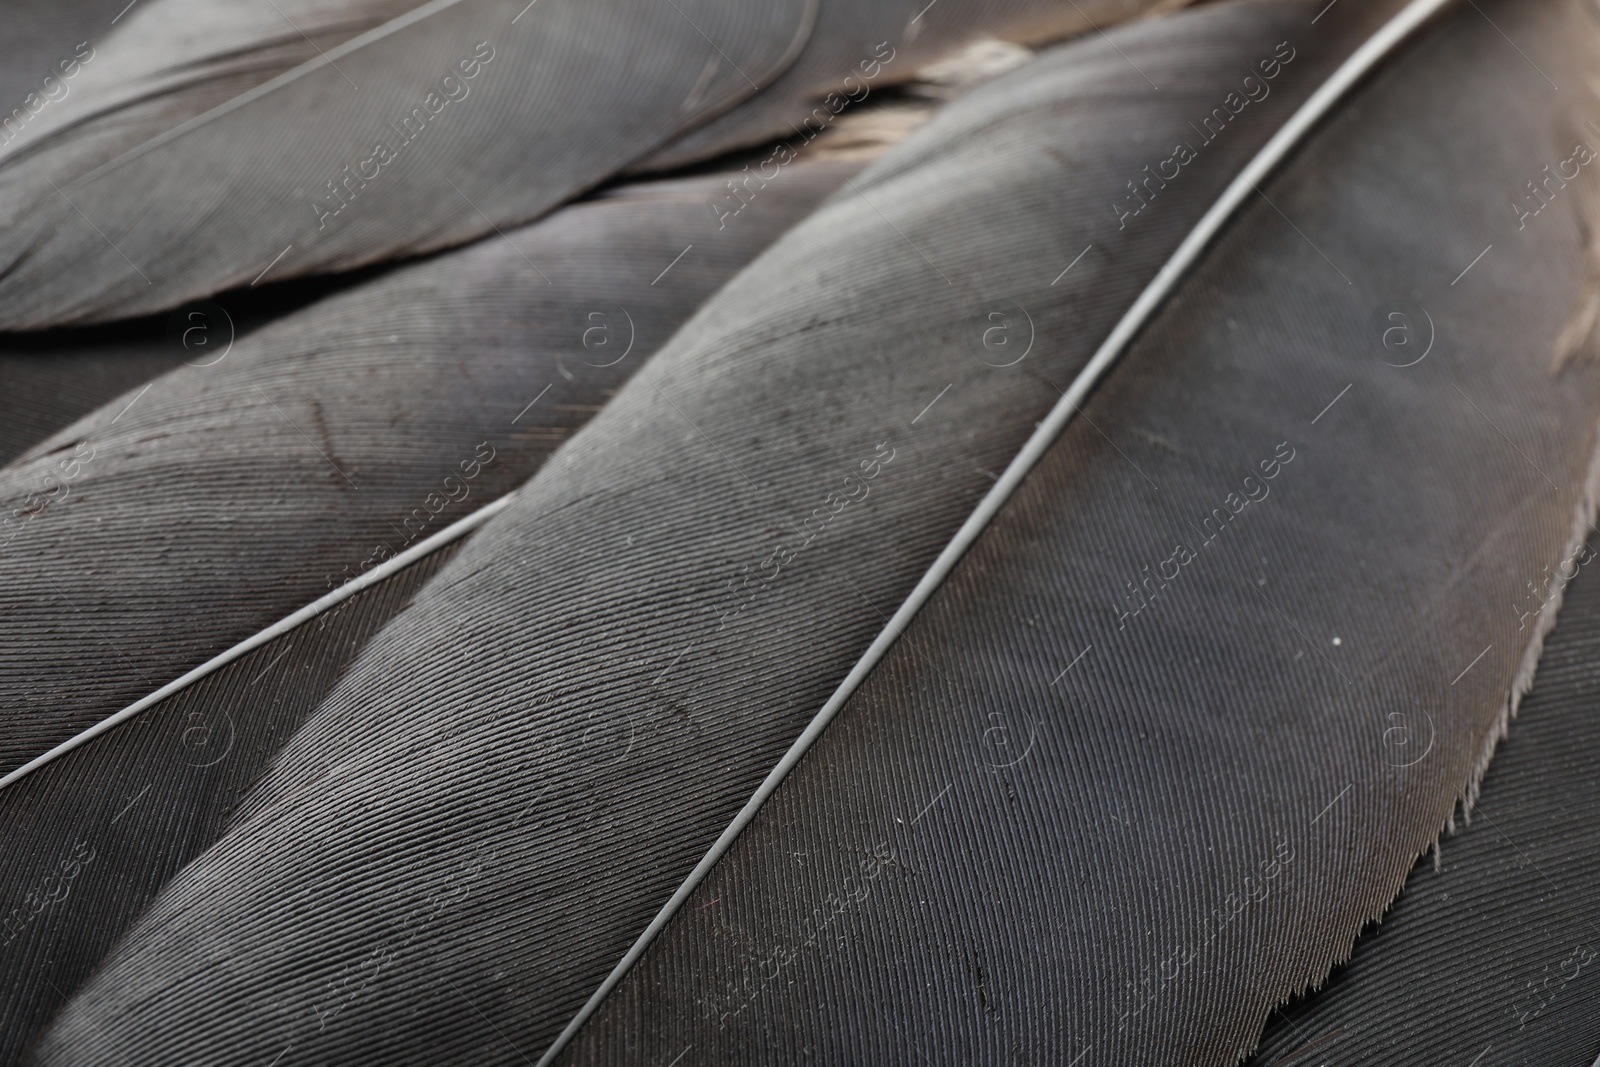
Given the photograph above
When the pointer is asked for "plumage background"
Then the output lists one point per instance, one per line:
(799, 531)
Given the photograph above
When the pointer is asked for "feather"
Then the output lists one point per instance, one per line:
(826, 78)
(162, 62)
(1494, 945)
(133, 72)
(40, 34)
(50, 380)
(47, 386)
(1180, 721)
(428, 131)
(176, 521)
(89, 839)
(390, 144)
(599, 678)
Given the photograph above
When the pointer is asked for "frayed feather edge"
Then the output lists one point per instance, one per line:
(1521, 683)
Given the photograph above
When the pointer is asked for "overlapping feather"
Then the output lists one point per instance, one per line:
(562, 721)
(1492, 949)
(1181, 720)
(254, 480)
(175, 521)
(428, 130)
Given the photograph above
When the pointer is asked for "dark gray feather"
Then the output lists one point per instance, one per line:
(846, 60)
(1493, 950)
(483, 112)
(87, 841)
(50, 380)
(559, 725)
(144, 68)
(389, 147)
(155, 533)
(40, 36)
(1069, 820)
(44, 387)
